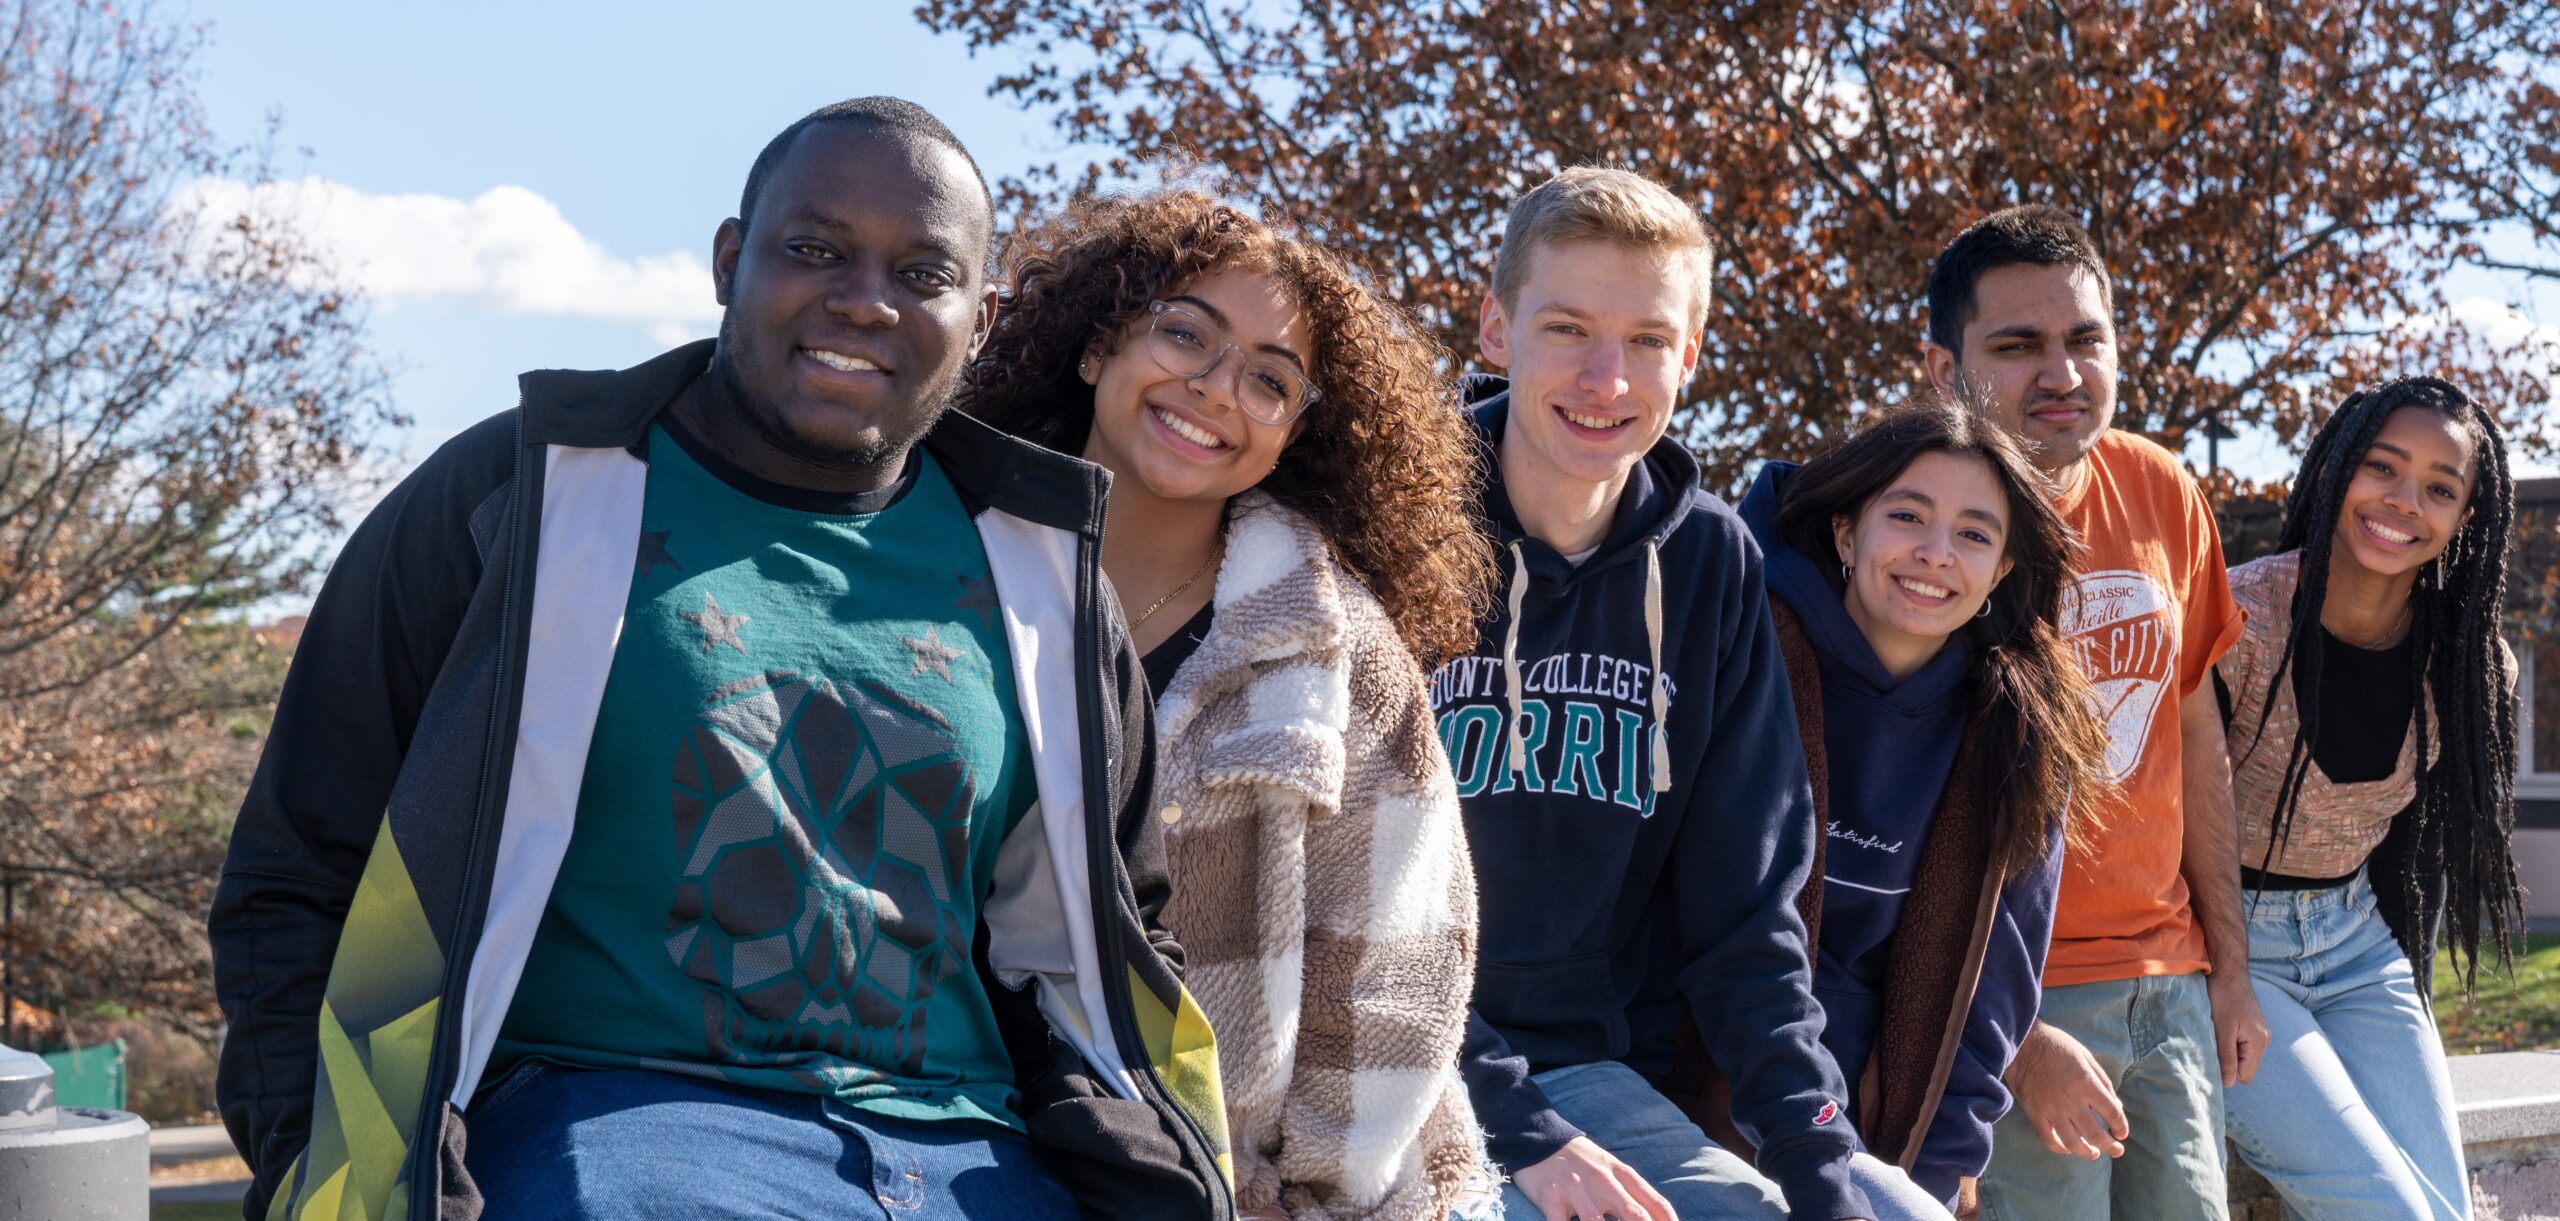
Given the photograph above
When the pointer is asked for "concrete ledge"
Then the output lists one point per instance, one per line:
(2508, 1104)
(206, 1144)
(2507, 1098)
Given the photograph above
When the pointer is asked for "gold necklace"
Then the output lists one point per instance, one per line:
(2396, 625)
(1176, 591)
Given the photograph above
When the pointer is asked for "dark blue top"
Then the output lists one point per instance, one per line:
(1613, 911)
(1899, 738)
(1889, 749)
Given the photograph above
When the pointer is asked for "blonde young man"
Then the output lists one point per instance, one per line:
(1625, 751)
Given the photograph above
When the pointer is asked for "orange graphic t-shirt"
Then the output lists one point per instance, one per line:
(2150, 614)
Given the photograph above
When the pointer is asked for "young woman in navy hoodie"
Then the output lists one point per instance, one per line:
(1914, 576)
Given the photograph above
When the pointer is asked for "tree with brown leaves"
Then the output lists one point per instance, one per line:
(181, 403)
(2280, 190)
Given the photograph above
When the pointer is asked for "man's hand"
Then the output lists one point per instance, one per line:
(2239, 1029)
(1582, 1180)
(2066, 1096)
(2210, 861)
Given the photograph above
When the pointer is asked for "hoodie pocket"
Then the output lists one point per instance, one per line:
(1561, 1011)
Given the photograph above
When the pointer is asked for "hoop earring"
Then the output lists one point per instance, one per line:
(1983, 611)
(1848, 573)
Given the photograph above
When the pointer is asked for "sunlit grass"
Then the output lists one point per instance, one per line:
(2503, 1014)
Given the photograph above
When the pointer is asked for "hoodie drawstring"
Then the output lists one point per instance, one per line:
(1517, 758)
(1653, 638)
(1518, 755)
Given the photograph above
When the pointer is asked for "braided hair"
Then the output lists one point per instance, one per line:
(2447, 857)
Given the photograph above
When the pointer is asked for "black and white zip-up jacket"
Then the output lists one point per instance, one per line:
(407, 821)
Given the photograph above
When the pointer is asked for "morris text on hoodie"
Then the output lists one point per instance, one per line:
(1586, 720)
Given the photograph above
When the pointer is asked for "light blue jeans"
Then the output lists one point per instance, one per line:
(558, 1144)
(1702, 1179)
(2153, 1036)
(2352, 1113)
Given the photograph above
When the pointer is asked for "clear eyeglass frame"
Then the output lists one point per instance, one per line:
(1269, 390)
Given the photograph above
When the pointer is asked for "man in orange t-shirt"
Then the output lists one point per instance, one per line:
(2118, 1093)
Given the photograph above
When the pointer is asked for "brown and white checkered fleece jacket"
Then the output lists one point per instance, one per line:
(1321, 888)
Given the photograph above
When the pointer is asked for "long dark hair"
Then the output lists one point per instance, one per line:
(1382, 467)
(2044, 766)
(2456, 837)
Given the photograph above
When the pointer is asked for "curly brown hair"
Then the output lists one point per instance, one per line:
(1384, 465)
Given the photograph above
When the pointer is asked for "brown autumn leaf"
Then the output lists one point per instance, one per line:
(2277, 201)
(179, 411)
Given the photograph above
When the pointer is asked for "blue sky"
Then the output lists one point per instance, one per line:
(636, 121)
(525, 185)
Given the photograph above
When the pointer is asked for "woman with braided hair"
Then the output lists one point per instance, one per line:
(2370, 706)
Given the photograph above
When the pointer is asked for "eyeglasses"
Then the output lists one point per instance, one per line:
(1187, 345)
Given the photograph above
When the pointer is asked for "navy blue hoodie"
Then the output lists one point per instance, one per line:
(1889, 747)
(1602, 879)
(1898, 738)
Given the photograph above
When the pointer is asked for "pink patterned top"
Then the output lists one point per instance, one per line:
(2335, 826)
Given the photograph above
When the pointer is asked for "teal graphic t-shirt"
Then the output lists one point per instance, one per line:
(807, 756)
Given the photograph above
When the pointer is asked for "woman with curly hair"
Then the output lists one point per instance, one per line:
(2371, 706)
(1290, 533)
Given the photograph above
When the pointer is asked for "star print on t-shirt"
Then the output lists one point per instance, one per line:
(978, 594)
(653, 554)
(717, 628)
(931, 653)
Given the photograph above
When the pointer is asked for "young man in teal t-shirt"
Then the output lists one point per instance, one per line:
(721, 787)
(835, 797)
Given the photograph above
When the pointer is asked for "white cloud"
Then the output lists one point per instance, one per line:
(509, 249)
(2504, 326)
(2502, 323)
(2256, 453)
(671, 334)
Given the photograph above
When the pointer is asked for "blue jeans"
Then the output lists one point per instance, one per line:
(1702, 1179)
(552, 1142)
(2153, 1037)
(2352, 1113)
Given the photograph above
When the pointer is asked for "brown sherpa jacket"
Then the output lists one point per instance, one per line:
(1321, 886)
(1938, 947)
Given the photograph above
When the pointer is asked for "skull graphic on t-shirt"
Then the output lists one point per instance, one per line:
(818, 830)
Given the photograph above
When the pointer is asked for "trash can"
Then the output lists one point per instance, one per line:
(90, 1077)
(67, 1163)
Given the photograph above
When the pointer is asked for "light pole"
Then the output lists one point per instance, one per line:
(2215, 433)
(8, 958)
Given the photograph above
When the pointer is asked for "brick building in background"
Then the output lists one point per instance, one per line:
(2533, 618)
